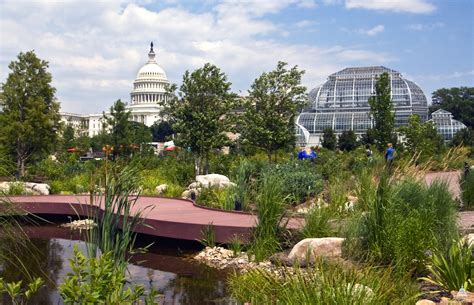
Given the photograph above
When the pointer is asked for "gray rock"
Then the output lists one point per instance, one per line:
(215, 180)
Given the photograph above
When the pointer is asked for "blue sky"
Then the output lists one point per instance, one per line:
(96, 47)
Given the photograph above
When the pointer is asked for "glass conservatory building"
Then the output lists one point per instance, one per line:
(341, 103)
(445, 124)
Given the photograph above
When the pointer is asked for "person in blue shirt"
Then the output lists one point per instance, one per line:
(307, 153)
(389, 154)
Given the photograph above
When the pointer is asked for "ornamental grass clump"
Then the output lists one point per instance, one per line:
(270, 204)
(325, 283)
(405, 221)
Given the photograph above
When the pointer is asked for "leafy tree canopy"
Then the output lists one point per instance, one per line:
(161, 131)
(30, 118)
(463, 137)
(329, 139)
(271, 107)
(421, 138)
(200, 112)
(458, 101)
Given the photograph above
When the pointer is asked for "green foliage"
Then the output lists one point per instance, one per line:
(347, 140)
(463, 137)
(467, 191)
(240, 192)
(215, 197)
(271, 205)
(208, 236)
(161, 131)
(299, 180)
(271, 108)
(68, 137)
(458, 101)
(316, 223)
(98, 280)
(421, 138)
(18, 293)
(200, 112)
(30, 118)
(381, 109)
(16, 188)
(325, 283)
(116, 222)
(329, 139)
(126, 135)
(402, 222)
(368, 137)
(235, 245)
(453, 270)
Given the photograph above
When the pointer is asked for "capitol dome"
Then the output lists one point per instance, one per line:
(150, 85)
(341, 103)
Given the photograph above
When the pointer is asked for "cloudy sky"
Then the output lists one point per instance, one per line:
(95, 48)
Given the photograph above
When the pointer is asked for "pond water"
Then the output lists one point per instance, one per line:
(167, 266)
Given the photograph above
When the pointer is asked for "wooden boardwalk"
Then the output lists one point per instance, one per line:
(164, 217)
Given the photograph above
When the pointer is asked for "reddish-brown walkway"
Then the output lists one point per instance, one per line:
(164, 217)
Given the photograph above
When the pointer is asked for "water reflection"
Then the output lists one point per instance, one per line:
(165, 267)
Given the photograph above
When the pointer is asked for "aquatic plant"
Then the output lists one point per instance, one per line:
(325, 283)
(18, 293)
(99, 280)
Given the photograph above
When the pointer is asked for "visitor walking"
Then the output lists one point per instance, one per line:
(389, 154)
(307, 153)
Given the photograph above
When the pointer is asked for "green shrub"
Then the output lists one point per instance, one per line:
(100, 281)
(324, 284)
(18, 293)
(214, 197)
(467, 188)
(16, 188)
(299, 179)
(452, 270)
(208, 236)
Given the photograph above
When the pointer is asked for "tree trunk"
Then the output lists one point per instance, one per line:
(206, 164)
(20, 167)
(269, 154)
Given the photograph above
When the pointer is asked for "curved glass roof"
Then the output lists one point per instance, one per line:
(341, 102)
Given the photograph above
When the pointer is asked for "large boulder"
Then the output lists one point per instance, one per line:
(37, 188)
(425, 302)
(213, 180)
(326, 247)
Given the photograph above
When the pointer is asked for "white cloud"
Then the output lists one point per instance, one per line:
(409, 6)
(305, 23)
(373, 31)
(424, 27)
(96, 48)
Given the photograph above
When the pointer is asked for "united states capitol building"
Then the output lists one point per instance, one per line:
(149, 88)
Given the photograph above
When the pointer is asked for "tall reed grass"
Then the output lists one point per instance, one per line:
(271, 207)
(404, 221)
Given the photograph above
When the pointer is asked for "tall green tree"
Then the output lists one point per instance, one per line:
(118, 124)
(30, 118)
(329, 139)
(68, 138)
(421, 138)
(161, 131)
(200, 112)
(347, 140)
(458, 101)
(381, 109)
(271, 108)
